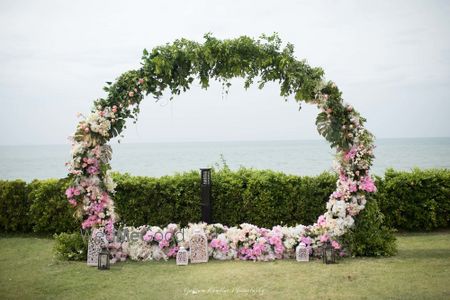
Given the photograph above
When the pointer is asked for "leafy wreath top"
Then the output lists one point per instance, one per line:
(174, 67)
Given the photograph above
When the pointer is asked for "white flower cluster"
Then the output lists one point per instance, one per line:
(99, 122)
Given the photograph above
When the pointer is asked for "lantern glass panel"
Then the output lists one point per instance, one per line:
(206, 176)
(329, 255)
(103, 260)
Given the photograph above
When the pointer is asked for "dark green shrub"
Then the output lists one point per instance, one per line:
(50, 211)
(70, 246)
(14, 206)
(370, 237)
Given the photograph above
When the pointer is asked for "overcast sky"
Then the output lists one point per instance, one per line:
(390, 58)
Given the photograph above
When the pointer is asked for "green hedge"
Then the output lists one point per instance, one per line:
(50, 212)
(416, 200)
(14, 206)
(263, 198)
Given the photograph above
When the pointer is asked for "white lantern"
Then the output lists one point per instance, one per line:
(182, 257)
(301, 252)
(198, 247)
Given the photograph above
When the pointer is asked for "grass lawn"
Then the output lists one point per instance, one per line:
(421, 270)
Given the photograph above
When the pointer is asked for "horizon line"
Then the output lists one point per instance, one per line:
(223, 141)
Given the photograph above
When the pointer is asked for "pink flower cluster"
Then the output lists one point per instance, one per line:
(97, 214)
(351, 153)
(163, 238)
(275, 240)
(91, 165)
(366, 184)
(246, 242)
(219, 245)
(71, 193)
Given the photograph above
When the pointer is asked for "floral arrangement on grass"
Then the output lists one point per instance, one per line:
(243, 242)
(174, 67)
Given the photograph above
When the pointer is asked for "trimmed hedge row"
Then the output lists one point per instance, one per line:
(263, 198)
(416, 200)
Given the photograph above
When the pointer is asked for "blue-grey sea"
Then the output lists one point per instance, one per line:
(158, 159)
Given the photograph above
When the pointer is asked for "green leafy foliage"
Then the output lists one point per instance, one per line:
(70, 246)
(370, 236)
(173, 67)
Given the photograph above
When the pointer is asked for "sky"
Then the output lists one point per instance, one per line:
(390, 58)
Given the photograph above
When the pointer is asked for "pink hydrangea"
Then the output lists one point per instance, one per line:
(148, 237)
(214, 243)
(367, 184)
(306, 240)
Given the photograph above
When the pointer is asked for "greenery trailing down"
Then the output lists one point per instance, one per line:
(415, 201)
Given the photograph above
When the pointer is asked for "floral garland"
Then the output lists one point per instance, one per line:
(172, 67)
(243, 242)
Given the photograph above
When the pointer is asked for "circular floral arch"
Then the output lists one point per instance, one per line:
(173, 67)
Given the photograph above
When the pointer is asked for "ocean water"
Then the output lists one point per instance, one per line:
(158, 159)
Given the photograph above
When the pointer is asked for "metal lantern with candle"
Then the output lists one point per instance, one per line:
(103, 259)
(328, 253)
